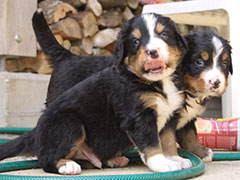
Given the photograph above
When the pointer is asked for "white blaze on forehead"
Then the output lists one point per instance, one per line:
(155, 42)
(215, 72)
(218, 48)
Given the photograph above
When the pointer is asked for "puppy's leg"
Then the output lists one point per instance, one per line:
(187, 139)
(58, 139)
(153, 157)
(145, 136)
(168, 139)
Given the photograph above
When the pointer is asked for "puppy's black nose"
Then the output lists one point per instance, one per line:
(215, 84)
(153, 53)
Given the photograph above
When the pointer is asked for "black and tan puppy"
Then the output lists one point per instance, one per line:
(128, 104)
(206, 67)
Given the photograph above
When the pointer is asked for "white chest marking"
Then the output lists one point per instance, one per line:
(165, 106)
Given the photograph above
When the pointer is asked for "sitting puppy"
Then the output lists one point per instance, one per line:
(127, 104)
(205, 66)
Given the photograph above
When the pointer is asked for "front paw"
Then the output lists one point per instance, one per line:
(203, 152)
(184, 163)
(208, 155)
(159, 163)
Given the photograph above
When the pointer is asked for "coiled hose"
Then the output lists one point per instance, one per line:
(197, 169)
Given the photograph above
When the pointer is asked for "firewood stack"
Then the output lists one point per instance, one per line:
(85, 27)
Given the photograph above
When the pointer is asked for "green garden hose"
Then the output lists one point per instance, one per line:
(14, 130)
(197, 169)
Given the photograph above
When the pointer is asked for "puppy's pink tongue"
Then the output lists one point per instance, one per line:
(154, 64)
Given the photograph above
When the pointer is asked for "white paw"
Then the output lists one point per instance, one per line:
(159, 163)
(70, 168)
(184, 163)
(209, 156)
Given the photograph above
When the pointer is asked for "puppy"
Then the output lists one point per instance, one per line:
(130, 103)
(206, 67)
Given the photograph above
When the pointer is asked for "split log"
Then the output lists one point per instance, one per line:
(59, 38)
(127, 14)
(55, 10)
(110, 47)
(132, 4)
(66, 44)
(108, 4)
(104, 52)
(68, 28)
(95, 7)
(37, 64)
(111, 18)
(87, 22)
(105, 37)
(87, 45)
(138, 11)
(44, 66)
(75, 50)
(76, 3)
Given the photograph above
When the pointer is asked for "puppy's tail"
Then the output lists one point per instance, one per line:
(46, 39)
(24, 144)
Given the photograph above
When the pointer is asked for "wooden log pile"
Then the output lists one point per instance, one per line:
(85, 27)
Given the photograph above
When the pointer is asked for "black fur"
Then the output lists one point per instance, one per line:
(68, 68)
(107, 106)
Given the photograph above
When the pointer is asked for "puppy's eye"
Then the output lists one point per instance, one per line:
(199, 62)
(164, 35)
(136, 42)
(224, 65)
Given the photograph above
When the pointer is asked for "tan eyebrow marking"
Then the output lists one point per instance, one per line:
(204, 55)
(137, 33)
(159, 28)
(224, 57)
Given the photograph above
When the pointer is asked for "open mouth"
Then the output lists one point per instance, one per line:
(154, 66)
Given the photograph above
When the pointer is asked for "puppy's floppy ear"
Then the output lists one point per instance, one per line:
(120, 51)
(230, 59)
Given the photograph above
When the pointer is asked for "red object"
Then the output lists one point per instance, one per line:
(151, 1)
(219, 133)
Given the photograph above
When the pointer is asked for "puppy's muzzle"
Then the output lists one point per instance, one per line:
(215, 84)
(154, 63)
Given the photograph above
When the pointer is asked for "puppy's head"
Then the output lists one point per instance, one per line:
(207, 64)
(150, 47)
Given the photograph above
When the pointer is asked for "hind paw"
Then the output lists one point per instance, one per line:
(70, 168)
(121, 161)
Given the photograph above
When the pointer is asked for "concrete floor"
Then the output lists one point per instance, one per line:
(217, 170)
